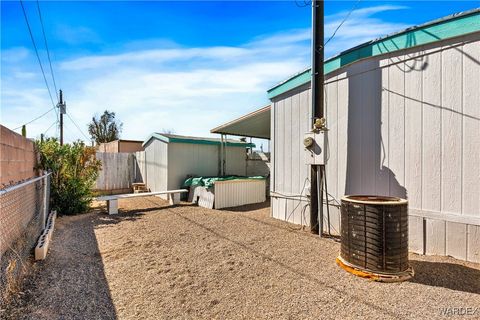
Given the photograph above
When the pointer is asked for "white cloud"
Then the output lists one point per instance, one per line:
(282, 38)
(76, 34)
(158, 56)
(14, 55)
(164, 85)
(361, 26)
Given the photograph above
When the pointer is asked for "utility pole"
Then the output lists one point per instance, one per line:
(316, 172)
(63, 109)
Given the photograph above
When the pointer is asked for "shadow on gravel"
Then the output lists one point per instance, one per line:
(249, 207)
(448, 275)
(131, 214)
(284, 226)
(71, 282)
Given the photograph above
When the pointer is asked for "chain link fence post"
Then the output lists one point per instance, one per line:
(45, 205)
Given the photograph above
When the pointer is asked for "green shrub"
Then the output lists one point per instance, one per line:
(74, 171)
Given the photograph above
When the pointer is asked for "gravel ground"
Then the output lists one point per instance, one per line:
(158, 262)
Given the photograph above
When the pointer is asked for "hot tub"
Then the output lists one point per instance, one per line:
(227, 192)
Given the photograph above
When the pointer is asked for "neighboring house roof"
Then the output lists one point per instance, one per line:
(122, 140)
(255, 124)
(445, 28)
(125, 140)
(195, 140)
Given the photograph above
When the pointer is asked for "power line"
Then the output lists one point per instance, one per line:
(36, 52)
(48, 55)
(43, 114)
(69, 133)
(54, 123)
(76, 125)
(305, 4)
(343, 21)
(46, 46)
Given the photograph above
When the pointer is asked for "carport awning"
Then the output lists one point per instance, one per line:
(255, 124)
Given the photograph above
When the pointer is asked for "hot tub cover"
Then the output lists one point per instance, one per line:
(208, 182)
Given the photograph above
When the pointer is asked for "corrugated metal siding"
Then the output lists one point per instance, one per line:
(405, 124)
(239, 192)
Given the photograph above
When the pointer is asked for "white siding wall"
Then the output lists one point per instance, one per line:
(405, 124)
(236, 161)
(290, 174)
(156, 162)
(201, 160)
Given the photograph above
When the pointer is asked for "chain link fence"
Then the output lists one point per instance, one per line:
(23, 212)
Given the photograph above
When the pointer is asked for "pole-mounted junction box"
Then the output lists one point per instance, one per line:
(314, 143)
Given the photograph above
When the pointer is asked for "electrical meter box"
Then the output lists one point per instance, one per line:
(315, 152)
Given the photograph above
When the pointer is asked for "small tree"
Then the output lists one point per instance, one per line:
(105, 128)
(74, 171)
(168, 131)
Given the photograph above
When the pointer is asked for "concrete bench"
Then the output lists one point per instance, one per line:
(112, 201)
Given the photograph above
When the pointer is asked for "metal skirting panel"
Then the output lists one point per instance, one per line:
(439, 237)
(239, 192)
(427, 235)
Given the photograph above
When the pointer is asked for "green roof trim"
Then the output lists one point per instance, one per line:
(438, 30)
(291, 83)
(194, 140)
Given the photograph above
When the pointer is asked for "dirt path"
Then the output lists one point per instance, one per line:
(71, 280)
(158, 262)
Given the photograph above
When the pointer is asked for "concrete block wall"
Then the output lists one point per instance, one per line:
(17, 157)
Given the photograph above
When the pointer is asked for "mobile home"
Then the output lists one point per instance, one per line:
(403, 119)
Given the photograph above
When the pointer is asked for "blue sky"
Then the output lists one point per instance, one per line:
(181, 66)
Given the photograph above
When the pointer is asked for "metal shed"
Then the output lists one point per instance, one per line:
(403, 114)
(169, 159)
